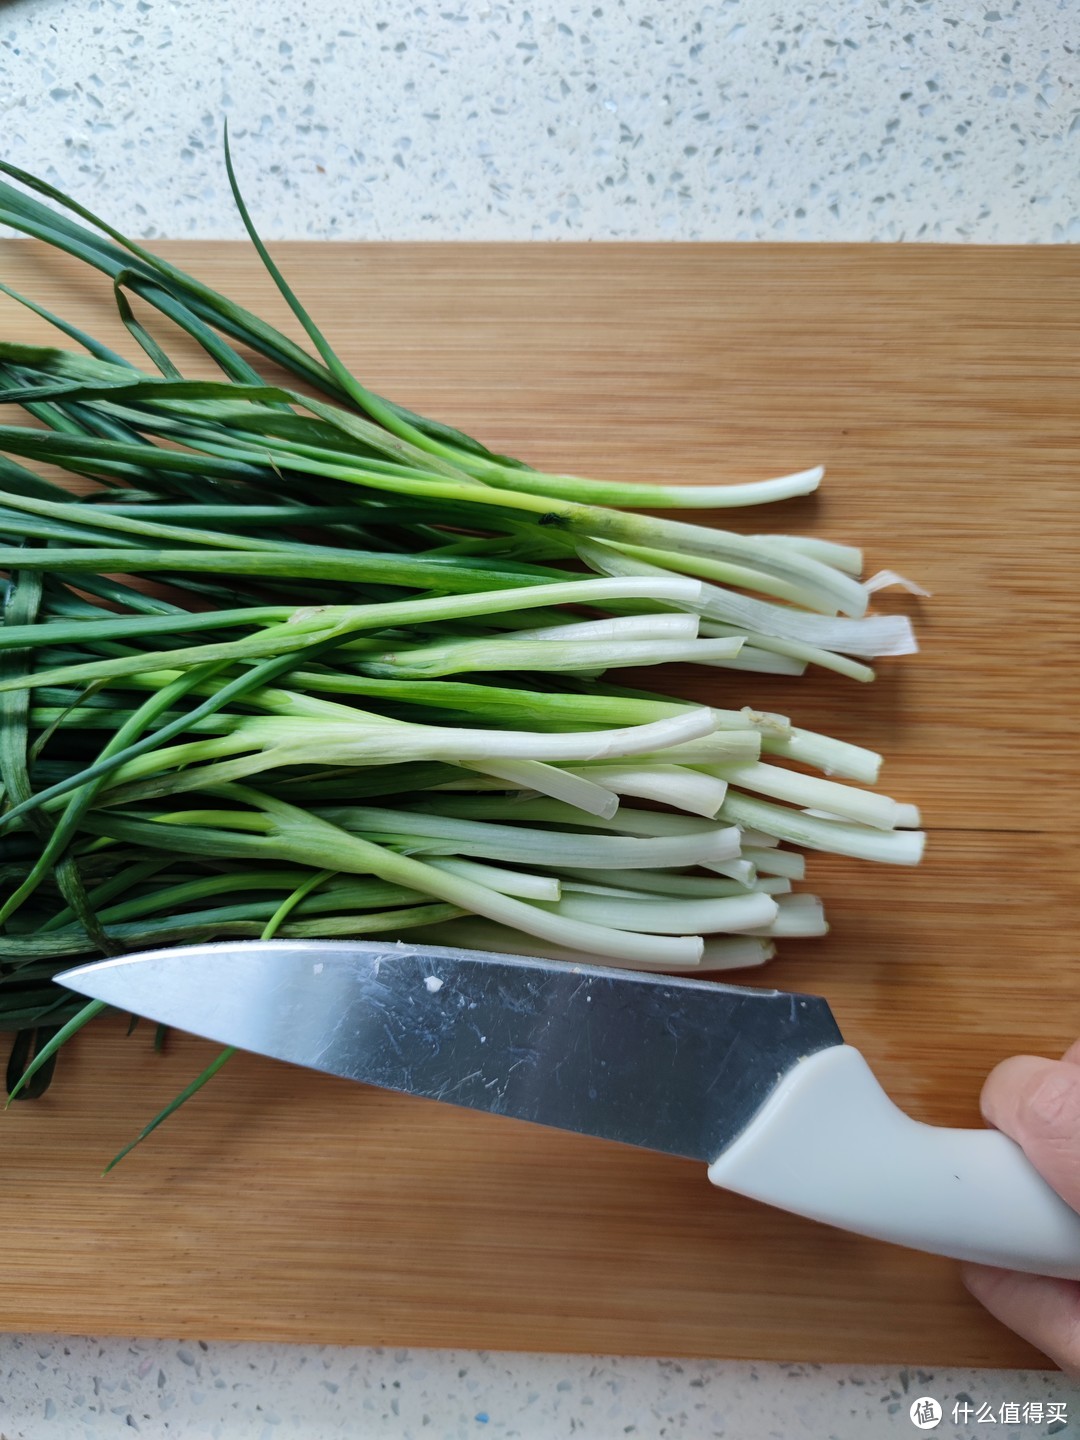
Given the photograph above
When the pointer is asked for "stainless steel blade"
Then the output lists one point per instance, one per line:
(668, 1064)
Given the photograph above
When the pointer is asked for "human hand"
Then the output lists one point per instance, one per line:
(1037, 1103)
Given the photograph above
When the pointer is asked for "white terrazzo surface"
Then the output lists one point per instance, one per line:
(888, 120)
(89, 1390)
(605, 120)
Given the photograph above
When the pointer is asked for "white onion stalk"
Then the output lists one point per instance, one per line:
(281, 742)
(719, 952)
(628, 820)
(719, 748)
(663, 625)
(524, 885)
(575, 787)
(670, 916)
(682, 788)
(833, 590)
(790, 657)
(895, 847)
(870, 636)
(847, 558)
(743, 870)
(420, 831)
(883, 579)
(845, 802)
(510, 653)
(743, 577)
(772, 861)
(479, 933)
(328, 843)
(798, 916)
(664, 882)
(832, 757)
(734, 952)
(760, 661)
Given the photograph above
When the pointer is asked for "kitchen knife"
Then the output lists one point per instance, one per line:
(758, 1084)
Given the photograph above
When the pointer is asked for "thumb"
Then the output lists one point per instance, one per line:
(1037, 1103)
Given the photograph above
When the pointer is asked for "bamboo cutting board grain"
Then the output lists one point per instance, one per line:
(940, 388)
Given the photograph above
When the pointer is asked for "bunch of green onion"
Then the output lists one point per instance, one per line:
(372, 690)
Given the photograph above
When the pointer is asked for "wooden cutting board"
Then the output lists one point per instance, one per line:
(940, 388)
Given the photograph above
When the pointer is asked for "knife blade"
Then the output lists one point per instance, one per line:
(677, 1066)
(758, 1084)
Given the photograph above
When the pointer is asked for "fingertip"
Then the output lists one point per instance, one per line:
(1005, 1087)
(1043, 1311)
(1028, 1093)
(982, 1281)
(970, 1277)
(1036, 1102)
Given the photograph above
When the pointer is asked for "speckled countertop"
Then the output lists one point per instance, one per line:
(87, 1390)
(610, 119)
(737, 120)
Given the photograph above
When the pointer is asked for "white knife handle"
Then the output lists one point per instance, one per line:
(830, 1144)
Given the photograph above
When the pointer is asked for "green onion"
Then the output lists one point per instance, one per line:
(370, 693)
